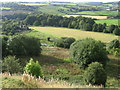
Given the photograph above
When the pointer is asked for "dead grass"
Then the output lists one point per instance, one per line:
(39, 83)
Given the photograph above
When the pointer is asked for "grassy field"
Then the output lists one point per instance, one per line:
(77, 34)
(107, 13)
(63, 3)
(50, 9)
(108, 21)
(39, 4)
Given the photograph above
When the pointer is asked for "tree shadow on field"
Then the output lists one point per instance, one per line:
(113, 68)
(47, 60)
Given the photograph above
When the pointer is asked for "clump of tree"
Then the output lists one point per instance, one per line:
(11, 27)
(11, 64)
(34, 68)
(64, 42)
(21, 45)
(88, 50)
(95, 74)
(59, 21)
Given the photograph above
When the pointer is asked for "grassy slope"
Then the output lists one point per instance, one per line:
(78, 34)
(107, 13)
(108, 21)
(50, 9)
(53, 58)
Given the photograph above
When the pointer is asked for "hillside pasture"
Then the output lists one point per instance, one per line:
(106, 13)
(107, 21)
(56, 10)
(77, 34)
(89, 16)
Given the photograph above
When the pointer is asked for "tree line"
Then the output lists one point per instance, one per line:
(80, 23)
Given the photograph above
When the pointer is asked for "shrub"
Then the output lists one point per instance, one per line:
(64, 42)
(114, 51)
(24, 46)
(116, 31)
(95, 74)
(11, 64)
(87, 51)
(114, 44)
(62, 71)
(34, 68)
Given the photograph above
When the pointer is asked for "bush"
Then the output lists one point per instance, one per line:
(24, 46)
(11, 64)
(95, 74)
(64, 42)
(114, 51)
(34, 68)
(114, 44)
(116, 31)
(87, 51)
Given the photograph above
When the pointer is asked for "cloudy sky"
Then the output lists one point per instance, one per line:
(60, 0)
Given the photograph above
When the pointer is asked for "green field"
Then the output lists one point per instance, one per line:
(108, 21)
(49, 9)
(107, 13)
(77, 34)
(63, 3)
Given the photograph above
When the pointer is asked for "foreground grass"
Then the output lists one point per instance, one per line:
(17, 81)
(108, 21)
(77, 34)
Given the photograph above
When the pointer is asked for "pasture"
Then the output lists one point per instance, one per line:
(56, 10)
(108, 21)
(106, 13)
(77, 34)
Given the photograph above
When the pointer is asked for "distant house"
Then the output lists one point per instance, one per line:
(23, 26)
(108, 9)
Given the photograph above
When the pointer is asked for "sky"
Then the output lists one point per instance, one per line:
(59, 0)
